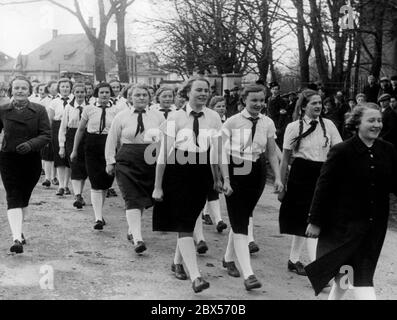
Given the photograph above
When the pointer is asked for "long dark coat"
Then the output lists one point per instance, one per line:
(351, 206)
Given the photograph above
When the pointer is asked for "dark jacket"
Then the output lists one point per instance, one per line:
(29, 125)
(371, 93)
(351, 202)
(389, 130)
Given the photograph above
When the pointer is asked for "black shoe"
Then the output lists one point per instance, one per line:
(231, 268)
(99, 225)
(297, 267)
(130, 237)
(179, 271)
(207, 219)
(67, 191)
(17, 247)
(221, 226)
(82, 201)
(111, 193)
(77, 202)
(60, 192)
(23, 239)
(202, 247)
(55, 182)
(252, 283)
(140, 247)
(46, 183)
(199, 284)
(253, 247)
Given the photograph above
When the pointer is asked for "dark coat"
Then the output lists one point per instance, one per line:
(351, 206)
(371, 93)
(29, 125)
(389, 130)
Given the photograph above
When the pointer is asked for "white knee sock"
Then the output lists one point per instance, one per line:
(198, 230)
(134, 223)
(53, 171)
(97, 203)
(82, 183)
(76, 185)
(49, 170)
(15, 217)
(178, 256)
(214, 208)
(242, 253)
(296, 248)
(188, 252)
(337, 292)
(311, 248)
(229, 255)
(103, 197)
(25, 212)
(61, 177)
(364, 293)
(251, 230)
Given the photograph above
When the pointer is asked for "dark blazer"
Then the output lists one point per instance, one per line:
(371, 93)
(29, 125)
(351, 198)
(389, 130)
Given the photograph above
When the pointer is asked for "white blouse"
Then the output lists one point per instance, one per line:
(313, 146)
(124, 127)
(236, 136)
(179, 125)
(70, 119)
(92, 114)
(56, 105)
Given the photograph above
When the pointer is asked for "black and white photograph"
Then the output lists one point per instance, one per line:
(198, 155)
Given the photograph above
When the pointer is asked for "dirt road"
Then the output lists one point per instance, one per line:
(89, 264)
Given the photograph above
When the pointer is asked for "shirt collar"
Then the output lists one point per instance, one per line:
(133, 109)
(246, 114)
(189, 110)
(109, 105)
(308, 120)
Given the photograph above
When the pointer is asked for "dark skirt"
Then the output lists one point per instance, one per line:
(185, 188)
(247, 188)
(47, 153)
(212, 194)
(58, 161)
(95, 162)
(20, 174)
(295, 207)
(77, 167)
(135, 176)
(355, 245)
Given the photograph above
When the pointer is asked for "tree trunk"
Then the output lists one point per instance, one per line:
(121, 50)
(100, 71)
(377, 62)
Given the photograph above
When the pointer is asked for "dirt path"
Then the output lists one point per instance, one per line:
(89, 264)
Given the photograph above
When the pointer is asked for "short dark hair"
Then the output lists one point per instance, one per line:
(136, 86)
(62, 80)
(250, 88)
(103, 85)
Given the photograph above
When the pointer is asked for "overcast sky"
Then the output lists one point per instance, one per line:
(24, 27)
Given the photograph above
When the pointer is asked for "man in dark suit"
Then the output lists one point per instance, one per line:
(389, 118)
(393, 81)
(372, 89)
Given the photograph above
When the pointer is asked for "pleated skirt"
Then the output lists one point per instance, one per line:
(248, 185)
(95, 161)
(295, 207)
(58, 161)
(185, 188)
(20, 174)
(134, 176)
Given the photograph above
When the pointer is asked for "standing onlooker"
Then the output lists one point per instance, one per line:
(384, 86)
(361, 98)
(26, 130)
(389, 118)
(232, 102)
(393, 87)
(393, 103)
(350, 208)
(372, 89)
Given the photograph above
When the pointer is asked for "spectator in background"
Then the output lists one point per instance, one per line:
(361, 98)
(384, 86)
(352, 103)
(372, 89)
(89, 88)
(331, 112)
(393, 87)
(342, 108)
(393, 103)
(180, 99)
(389, 119)
(322, 92)
(3, 94)
(233, 102)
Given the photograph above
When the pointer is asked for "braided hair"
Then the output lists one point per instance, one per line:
(304, 99)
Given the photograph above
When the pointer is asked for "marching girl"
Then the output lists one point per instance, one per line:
(26, 130)
(97, 119)
(246, 136)
(56, 111)
(131, 130)
(350, 208)
(306, 143)
(182, 181)
(164, 101)
(118, 99)
(69, 124)
(180, 99)
(89, 89)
